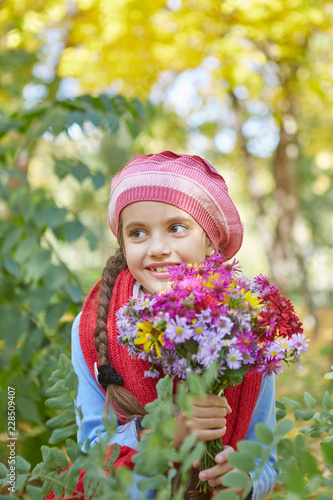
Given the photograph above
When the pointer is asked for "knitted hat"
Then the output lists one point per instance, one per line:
(187, 182)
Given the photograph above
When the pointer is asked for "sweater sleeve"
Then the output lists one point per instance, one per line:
(90, 398)
(264, 412)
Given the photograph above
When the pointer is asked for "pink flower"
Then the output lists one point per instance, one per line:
(264, 284)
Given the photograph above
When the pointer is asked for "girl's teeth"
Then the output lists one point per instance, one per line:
(160, 269)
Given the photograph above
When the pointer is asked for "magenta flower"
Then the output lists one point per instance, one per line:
(232, 267)
(272, 364)
(219, 288)
(264, 285)
(246, 342)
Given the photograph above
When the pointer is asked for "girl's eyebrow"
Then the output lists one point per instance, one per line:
(167, 222)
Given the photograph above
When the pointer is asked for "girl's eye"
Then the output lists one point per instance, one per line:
(135, 233)
(177, 226)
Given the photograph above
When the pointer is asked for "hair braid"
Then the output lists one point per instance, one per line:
(114, 266)
(126, 405)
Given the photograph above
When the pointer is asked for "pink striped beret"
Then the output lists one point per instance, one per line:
(187, 182)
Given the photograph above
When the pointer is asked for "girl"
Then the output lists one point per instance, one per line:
(164, 209)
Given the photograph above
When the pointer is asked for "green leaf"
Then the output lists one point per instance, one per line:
(226, 495)
(12, 267)
(55, 313)
(34, 492)
(308, 464)
(291, 403)
(37, 266)
(264, 434)
(309, 400)
(62, 167)
(283, 427)
(22, 466)
(25, 249)
(3, 470)
(98, 180)
(250, 448)
(329, 376)
(39, 299)
(55, 277)
(327, 448)
(93, 241)
(164, 389)
(327, 402)
(193, 456)
(28, 408)
(73, 230)
(59, 403)
(80, 171)
(235, 480)
(75, 292)
(55, 216)
(197, 385)
(12, 237)
(280, 405)
(156, 482)
(281, 414)
(61, 434)
(242, 461)
(64, 418)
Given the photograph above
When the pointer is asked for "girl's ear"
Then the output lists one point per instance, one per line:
(211, 249)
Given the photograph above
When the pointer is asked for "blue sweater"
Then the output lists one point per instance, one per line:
(90, 398)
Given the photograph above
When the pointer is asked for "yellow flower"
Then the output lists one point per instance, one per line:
(252, 299)
(149, 337)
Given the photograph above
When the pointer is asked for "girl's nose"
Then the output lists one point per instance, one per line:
(158, 245)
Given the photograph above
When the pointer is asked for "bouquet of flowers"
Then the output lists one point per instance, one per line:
(212, 313)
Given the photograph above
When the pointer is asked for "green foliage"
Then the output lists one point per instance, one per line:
(39, 294)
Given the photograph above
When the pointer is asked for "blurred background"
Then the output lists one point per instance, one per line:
(87, 84)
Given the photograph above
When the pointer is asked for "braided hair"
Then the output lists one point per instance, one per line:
(127, 406)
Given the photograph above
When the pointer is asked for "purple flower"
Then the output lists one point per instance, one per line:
(199, 329)
(219, 288)
(152, 373)
(234, 358)
(178, 330)
(299, 342)
(264, 284)
(223, 325)
(204, 269)
(231, 267)
(216, 258)
(179, 368)
(272, 364)
(204, 315)
(209, 352)
(245, 342)
(168, 360)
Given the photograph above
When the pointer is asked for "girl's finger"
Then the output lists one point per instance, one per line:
(211, 400)
(206, 423)
(216, 471)
(209, 434)
(209, 411)
(196, 464)
(222, 456)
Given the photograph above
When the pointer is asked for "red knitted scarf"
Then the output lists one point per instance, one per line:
(242, 399)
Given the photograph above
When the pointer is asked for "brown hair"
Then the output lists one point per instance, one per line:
(123, 402)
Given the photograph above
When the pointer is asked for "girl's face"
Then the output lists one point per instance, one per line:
(156, 234)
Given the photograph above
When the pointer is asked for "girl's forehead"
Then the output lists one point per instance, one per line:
(153, 212)
(151, 208)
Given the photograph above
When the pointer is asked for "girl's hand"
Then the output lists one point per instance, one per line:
(207, 422)
(215, 474)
